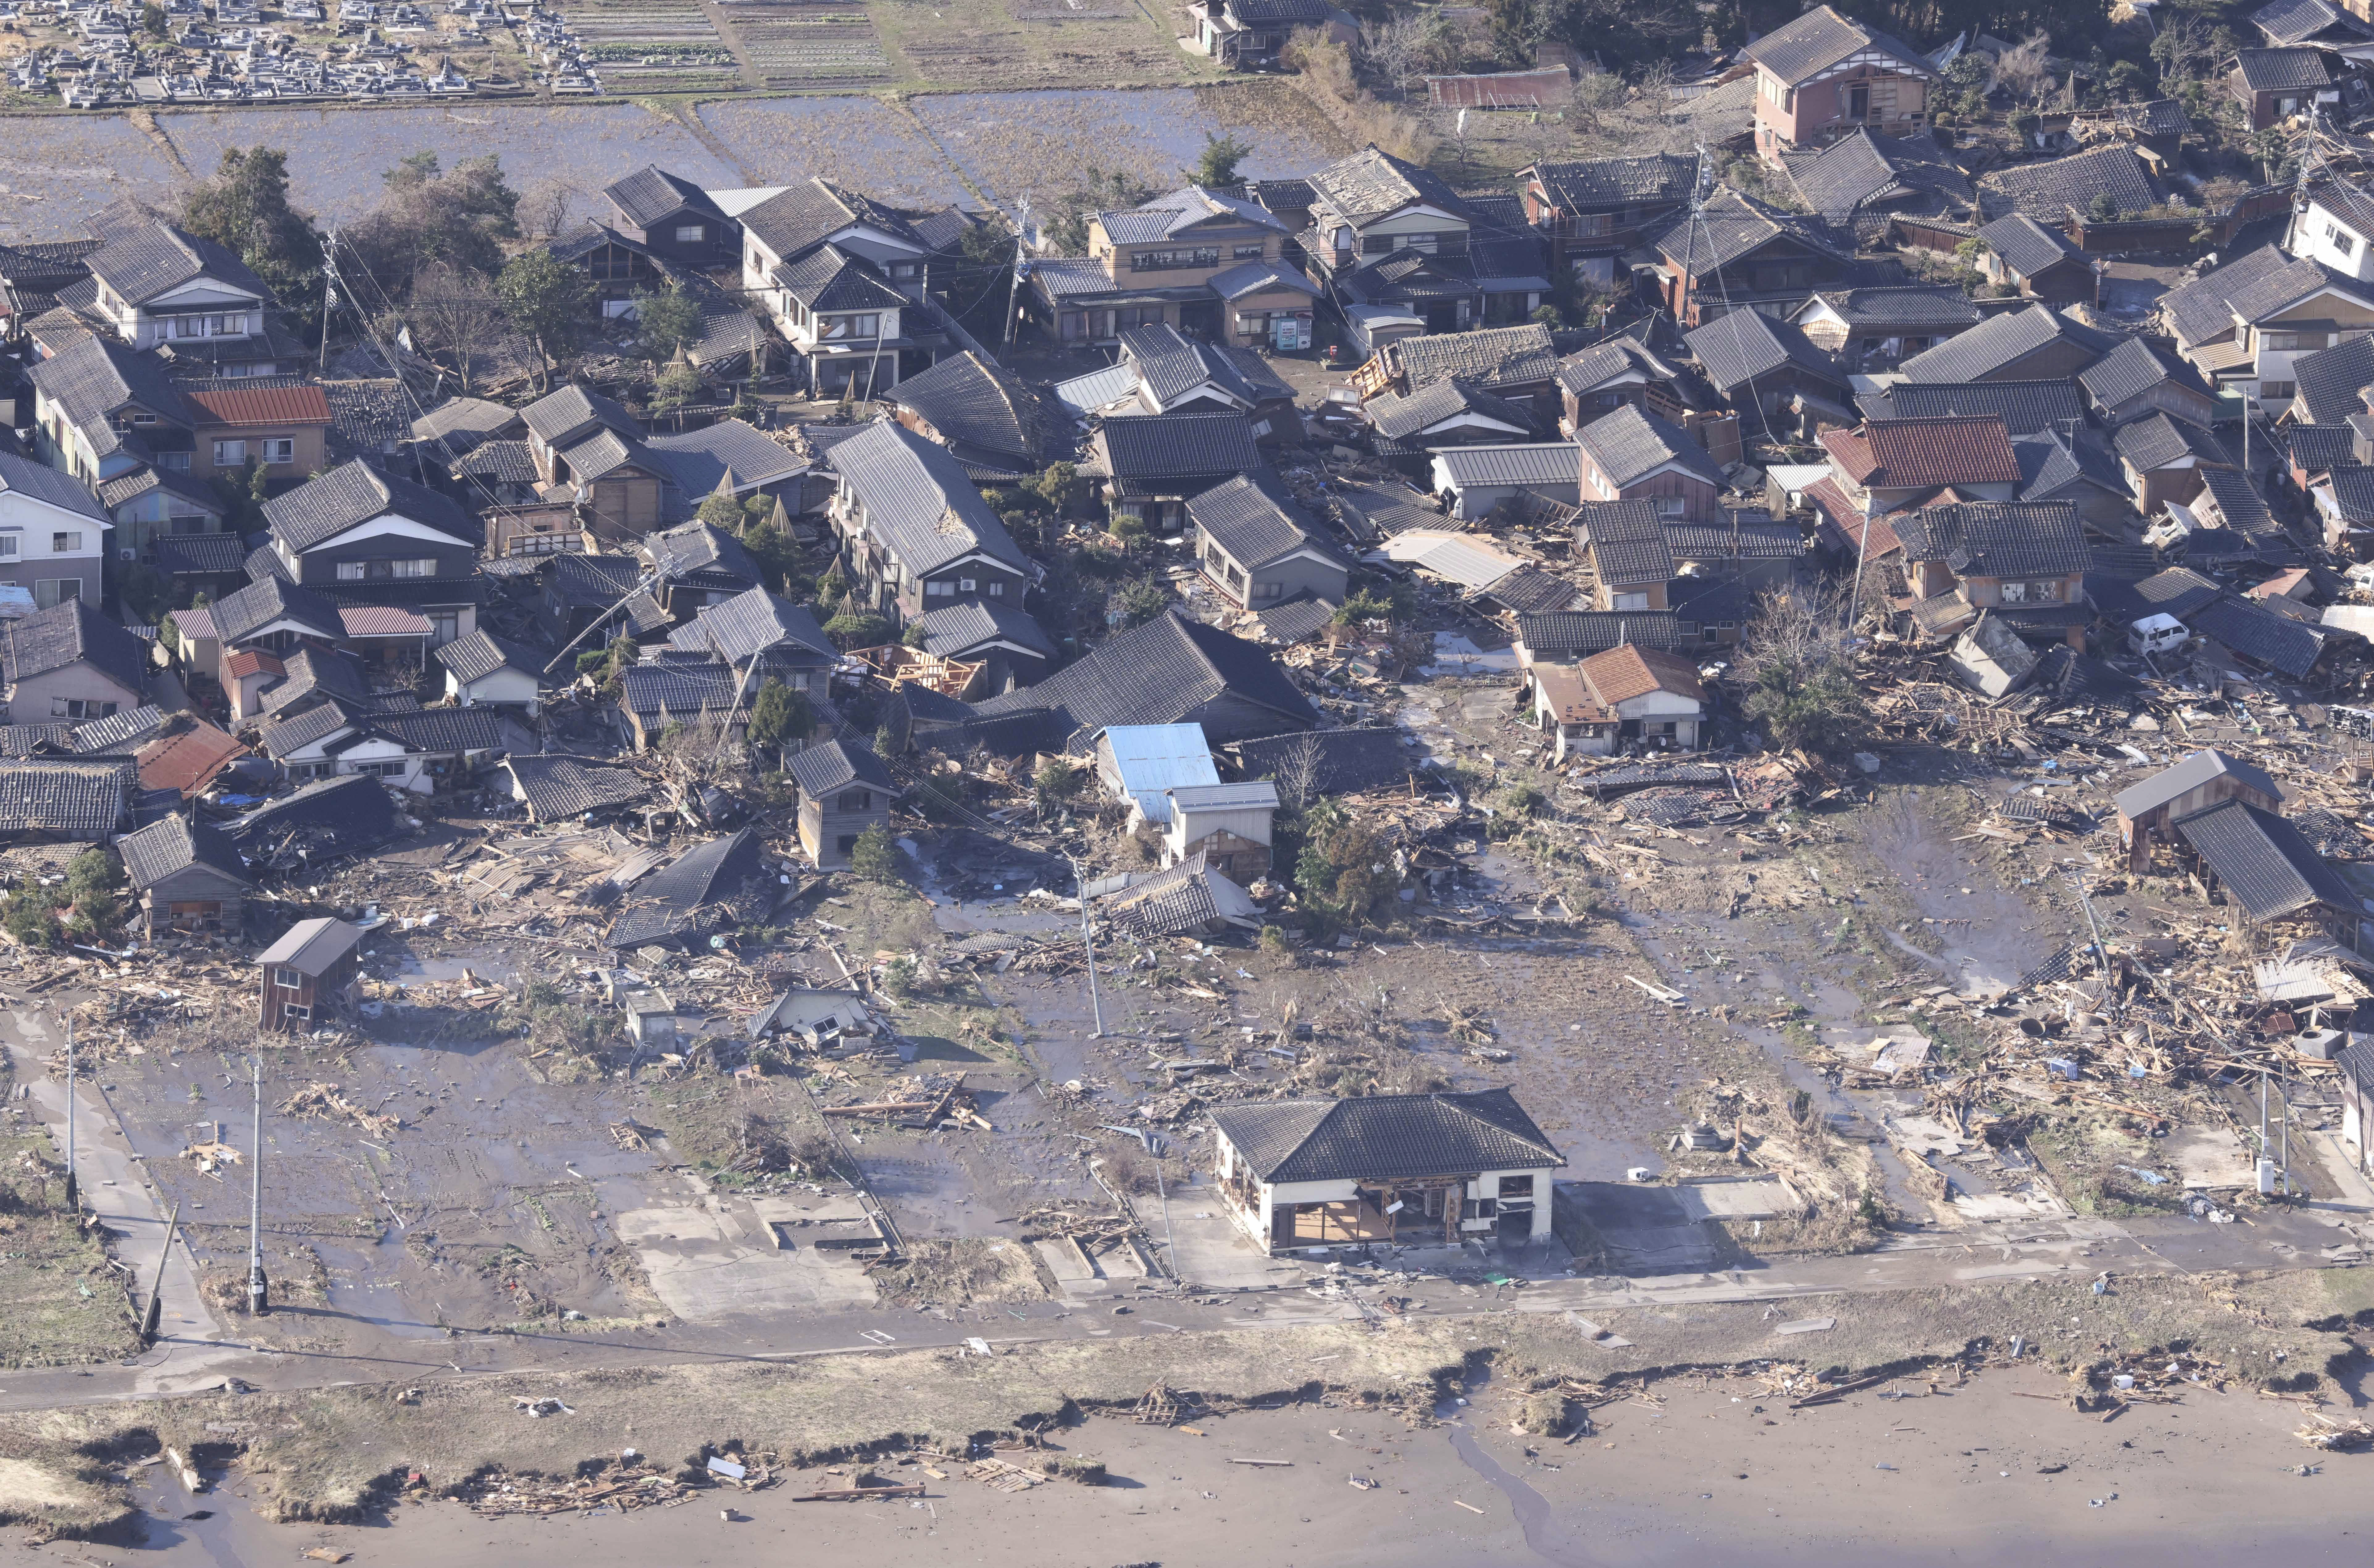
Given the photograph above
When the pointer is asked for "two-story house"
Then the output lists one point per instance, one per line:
(915, 534)
(101, 410)
(1737, 254)
(589, 452)
(1822, 75)
(356, 536)
(2245, 323)
(1633, 454)
(755, 625)
(2024, 562)
(674, 218)
(1593, 210)
(1256, 545)
(156, 285)
(1409, 256)
(71, 661)
(1632, 559)
(845, 279)
(1162, 371)
(2137, 379)
(282, 428)
(695, 566)
(1890, 465)
(2030, 344)
(2274, 85)
(53, 533)
(1208, 263)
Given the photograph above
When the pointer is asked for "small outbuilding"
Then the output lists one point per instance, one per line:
(1140, 763)
(845, 789)
(2149, 810)
(307, 975)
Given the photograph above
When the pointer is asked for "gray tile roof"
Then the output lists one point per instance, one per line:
(1164, 672)
(324, 820)
(700, 552)
(819, 770)
(920, 502)
(1405, 418)
(2289, 22)
(125, 730)
(2323, 446)
(1730, 226)
(1180, 212)
(957, 631)
(78, 797)
(437, 731)
(143, 260)
(270, 598)
(1863, 168)
(1255, 519)
(175, 843)
(1182, 446)
(2252, 288)
(2052, 468)
(831, 280)
(716, 886)
(683, 687)
(1170, 364)
(2133, 368)
(1525, 462)
(757, 622)
(37, 481)
(568, 413)
(700, 459)
(2282, 70)
(1997, 342)
(2057, 187)
(2157, 441)
(1820, 39)
(496, 463)
(803, 214)
(1601, 183)
(2024, 406)
(2026, 246)
(1627, 542)
(975, 402)
(553, 787)
(2333, 381)
(1342, 762)
(1916, 307)
(322, 508)
(481, 653)
(1386, 1136)
(286, 734)
(2266, 866)
(2191, 773)
(1490, 358)
(1370, 184)
(1630, 442)
(1997, 539)
(462, 422)
(1739, 345)
(1564, 633)
(72, 631)
(1603, 362)
(92, 377)
(650, 195)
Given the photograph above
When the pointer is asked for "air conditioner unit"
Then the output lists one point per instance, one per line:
(127, 553)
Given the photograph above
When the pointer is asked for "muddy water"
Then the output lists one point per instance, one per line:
(1989, 935)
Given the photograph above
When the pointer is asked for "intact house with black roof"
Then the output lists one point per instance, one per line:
(757, 624)
(2024, 563)
(1410, 256)
(844, 790)
(675, 217)
(486, 671)
(2039, 261)
(421, 750)
(989, 418)
(187, 876)
(2034, 344)
(1162, 371)
(1634, 455)
(1170, 671)
(590, 453)
(2245, 325)
(2274, 85)
(1756, 362)
(1631, 561)
(359, 537)
(1868, 329)
(1384, 1170)
(2148, 811)
(1593, 210)
(914, 533)
(71, 661)
(697, 690)
(1149, 465)
(1738, 252)
(2165, 459)
(1823, 75)
(1247, 35)
(1258, 548)
(155, 285)
(2025, 407)
(2135, 379)
(1207, 263)
(695, 565)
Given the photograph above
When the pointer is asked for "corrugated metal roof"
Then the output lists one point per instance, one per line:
(1522, 463)
(1470, 562)
(1152, 758)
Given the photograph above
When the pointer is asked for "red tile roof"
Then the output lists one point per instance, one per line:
(1629, 670)
(1918, 453)
(259, 405)
(189, 761)
(251, 661)
(382, 620)
(1842, 521)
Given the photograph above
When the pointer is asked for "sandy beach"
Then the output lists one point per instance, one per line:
(1713, 1470)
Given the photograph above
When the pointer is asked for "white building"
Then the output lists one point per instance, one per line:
(52, 533)
(1405, 1170)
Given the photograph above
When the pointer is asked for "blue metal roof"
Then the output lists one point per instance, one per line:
(1151, 758)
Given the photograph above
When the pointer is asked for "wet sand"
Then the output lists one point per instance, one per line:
(1716, 1472)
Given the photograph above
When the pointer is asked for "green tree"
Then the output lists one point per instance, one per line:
(1066, 219)
(623, 652)
(30, 915)
(147, 594)
(1060, 486)
(1344, 870)
(914, 636)
(548, 300)
(152, 20)
(720, 510)
(1055, 781)
(244, 207)
(779, 715)
(1797, 661)
(676, 385)
(666, 321)
(2103, 208)
(428, 217)
(856, 628)
(1222, 153)
(874, 856)
(1141, 599)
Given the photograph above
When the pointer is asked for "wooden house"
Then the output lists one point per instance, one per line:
(845, 789)
(2148, 811)
(187, 876)
(307, 975)
(1822, 75)
(1228, 824)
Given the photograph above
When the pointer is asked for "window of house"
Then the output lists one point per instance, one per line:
(279, 448)
(1174, 261)
(1630, 602)
(1267, 589)
(230, 454)
(845, 843)
(1670, 506)
(2277, 388)
(1249, 252)
(2341, 238)
(51, 590)
(290, 1010)
(939, 590)
(78, 707)
(997, 590)
(66, 541)
(690, 233)
(287, 978)
(444, 626)
(1517, 1186)
(176, 463)
(7, 546)
(836, 327)
(854, 800)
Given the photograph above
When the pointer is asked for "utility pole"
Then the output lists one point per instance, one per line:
(72, 1192)
(1014, 292)
(329, 290)
(258, 1295)
(151, 1320)
(1096, 1005)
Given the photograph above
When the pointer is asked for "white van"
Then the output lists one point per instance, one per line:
(2156, 634)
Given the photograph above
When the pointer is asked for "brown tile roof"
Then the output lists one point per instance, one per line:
(250, 661)
(189, 761)
(1631, 671)
(258, 406)
(1842, 521)
(1917, 453)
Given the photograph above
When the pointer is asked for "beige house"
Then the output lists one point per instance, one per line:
(1621, 697)
(1385, 1170)
(1228, 824)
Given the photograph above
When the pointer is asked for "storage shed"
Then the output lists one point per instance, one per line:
(307, 975)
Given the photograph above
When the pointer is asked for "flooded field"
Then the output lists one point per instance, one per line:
(866, 143)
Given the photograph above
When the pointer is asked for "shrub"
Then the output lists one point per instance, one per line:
(1345, 872)
(874, 856)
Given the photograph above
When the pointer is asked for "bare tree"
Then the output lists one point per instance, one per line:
(1392, 48)
(1297, 772)
(2024, 70)
(459, 314)
(545, 207)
